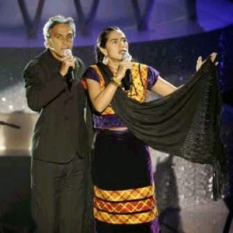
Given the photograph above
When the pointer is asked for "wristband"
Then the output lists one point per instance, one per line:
(116, 81)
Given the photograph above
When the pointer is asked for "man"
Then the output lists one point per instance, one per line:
(60, 143)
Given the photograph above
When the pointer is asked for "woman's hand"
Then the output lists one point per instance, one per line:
(200, 62)
(124, 65)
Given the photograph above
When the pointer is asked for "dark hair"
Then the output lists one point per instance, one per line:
(102, 40)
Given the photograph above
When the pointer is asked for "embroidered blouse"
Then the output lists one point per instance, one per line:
(143, 77)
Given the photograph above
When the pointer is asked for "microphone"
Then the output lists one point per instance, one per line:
(126, 56)
(127, 80)
(70, 73)
(70, 70)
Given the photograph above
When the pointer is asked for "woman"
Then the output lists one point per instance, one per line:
(124, 192)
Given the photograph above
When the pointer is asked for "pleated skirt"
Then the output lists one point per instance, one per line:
(124, 192)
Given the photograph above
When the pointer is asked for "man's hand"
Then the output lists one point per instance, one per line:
(66, 62)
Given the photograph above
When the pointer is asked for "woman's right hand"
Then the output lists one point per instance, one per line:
(123, 66)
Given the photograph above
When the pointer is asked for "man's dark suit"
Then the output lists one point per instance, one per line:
(59, 146)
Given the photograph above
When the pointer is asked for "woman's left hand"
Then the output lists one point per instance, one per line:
(200, 62)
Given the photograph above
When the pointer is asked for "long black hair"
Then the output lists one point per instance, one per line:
(102, 40)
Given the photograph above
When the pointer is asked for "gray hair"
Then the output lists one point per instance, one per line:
(55, 20)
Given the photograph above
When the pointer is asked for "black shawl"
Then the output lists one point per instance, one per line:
(185, 123)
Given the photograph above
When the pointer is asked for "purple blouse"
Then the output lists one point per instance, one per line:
(112, 120)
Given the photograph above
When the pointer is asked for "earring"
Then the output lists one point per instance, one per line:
(105, 60)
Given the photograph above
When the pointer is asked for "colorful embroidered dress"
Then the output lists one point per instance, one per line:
(124, 192)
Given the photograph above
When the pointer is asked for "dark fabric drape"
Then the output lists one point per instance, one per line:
(88, 218)
(185, 123)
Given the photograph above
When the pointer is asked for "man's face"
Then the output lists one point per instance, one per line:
(61, 38)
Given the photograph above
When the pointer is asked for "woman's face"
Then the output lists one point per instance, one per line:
(116, 46)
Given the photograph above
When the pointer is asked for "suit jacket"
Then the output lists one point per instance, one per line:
(60, 131)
